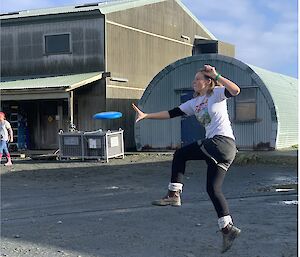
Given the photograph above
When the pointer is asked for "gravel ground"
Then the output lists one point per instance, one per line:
(89, 209)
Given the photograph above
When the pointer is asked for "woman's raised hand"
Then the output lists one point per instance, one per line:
(140, 114)
(210, 71)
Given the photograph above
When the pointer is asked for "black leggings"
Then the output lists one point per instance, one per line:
(215, 175)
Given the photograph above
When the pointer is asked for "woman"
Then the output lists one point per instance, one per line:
(218, 149)
(6, 134)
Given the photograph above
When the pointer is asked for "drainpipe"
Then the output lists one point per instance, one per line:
(71, 108)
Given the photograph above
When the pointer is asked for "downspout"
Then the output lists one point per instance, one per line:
(71, 109)
(105, 57)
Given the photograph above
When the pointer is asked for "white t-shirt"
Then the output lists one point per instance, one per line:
(4, 126)
(211, 112)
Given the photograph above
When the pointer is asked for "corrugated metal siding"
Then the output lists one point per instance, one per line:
(163, 93)
(23, 53)
(120, 99)
(88, 101)
(147, 55)
(284, 91)
(161, 134)
(225, 48)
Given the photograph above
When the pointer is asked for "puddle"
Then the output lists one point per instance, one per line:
(284, 189)
(286, 180)
(112, 188)
(291, 202)
(279, 188)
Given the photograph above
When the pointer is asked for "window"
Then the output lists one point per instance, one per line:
(245, 105)
(57, 44)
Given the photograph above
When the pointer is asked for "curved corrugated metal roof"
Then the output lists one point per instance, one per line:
(188, 61)
(278, 91)
(284, 92)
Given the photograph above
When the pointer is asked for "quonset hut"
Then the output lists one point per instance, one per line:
(264, 115)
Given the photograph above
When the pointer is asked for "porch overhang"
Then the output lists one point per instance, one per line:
(57, 87)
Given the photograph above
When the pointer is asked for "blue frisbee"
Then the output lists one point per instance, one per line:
(107, 115)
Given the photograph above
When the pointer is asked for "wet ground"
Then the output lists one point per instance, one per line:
(72, 208)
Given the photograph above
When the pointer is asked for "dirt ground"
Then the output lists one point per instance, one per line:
(94, 209)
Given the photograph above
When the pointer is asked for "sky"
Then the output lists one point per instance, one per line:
(264, 32)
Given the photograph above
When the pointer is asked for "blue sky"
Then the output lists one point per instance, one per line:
(264, 32)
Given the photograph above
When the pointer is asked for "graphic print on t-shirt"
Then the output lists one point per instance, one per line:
(201, 113)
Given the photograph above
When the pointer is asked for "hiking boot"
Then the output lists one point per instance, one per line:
(172, 198)
(229, 237)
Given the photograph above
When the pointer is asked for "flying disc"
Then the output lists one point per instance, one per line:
(107, 115)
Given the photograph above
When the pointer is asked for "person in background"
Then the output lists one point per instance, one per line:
(218, 149)
(6, 135)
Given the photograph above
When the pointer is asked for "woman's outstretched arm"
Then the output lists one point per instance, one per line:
(156, 115)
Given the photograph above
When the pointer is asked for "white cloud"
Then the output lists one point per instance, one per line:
(232, 10)
(268, 49)
(265, 32)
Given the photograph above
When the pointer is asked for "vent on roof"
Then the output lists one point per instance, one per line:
(202, 46)
(87, 5)
(9, 13)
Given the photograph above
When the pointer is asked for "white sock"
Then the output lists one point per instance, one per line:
(175, 187)
(224, 221)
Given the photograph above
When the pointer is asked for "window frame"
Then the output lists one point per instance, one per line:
(57, 34)
(236, 102)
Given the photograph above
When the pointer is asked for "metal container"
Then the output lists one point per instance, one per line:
(91, 145)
